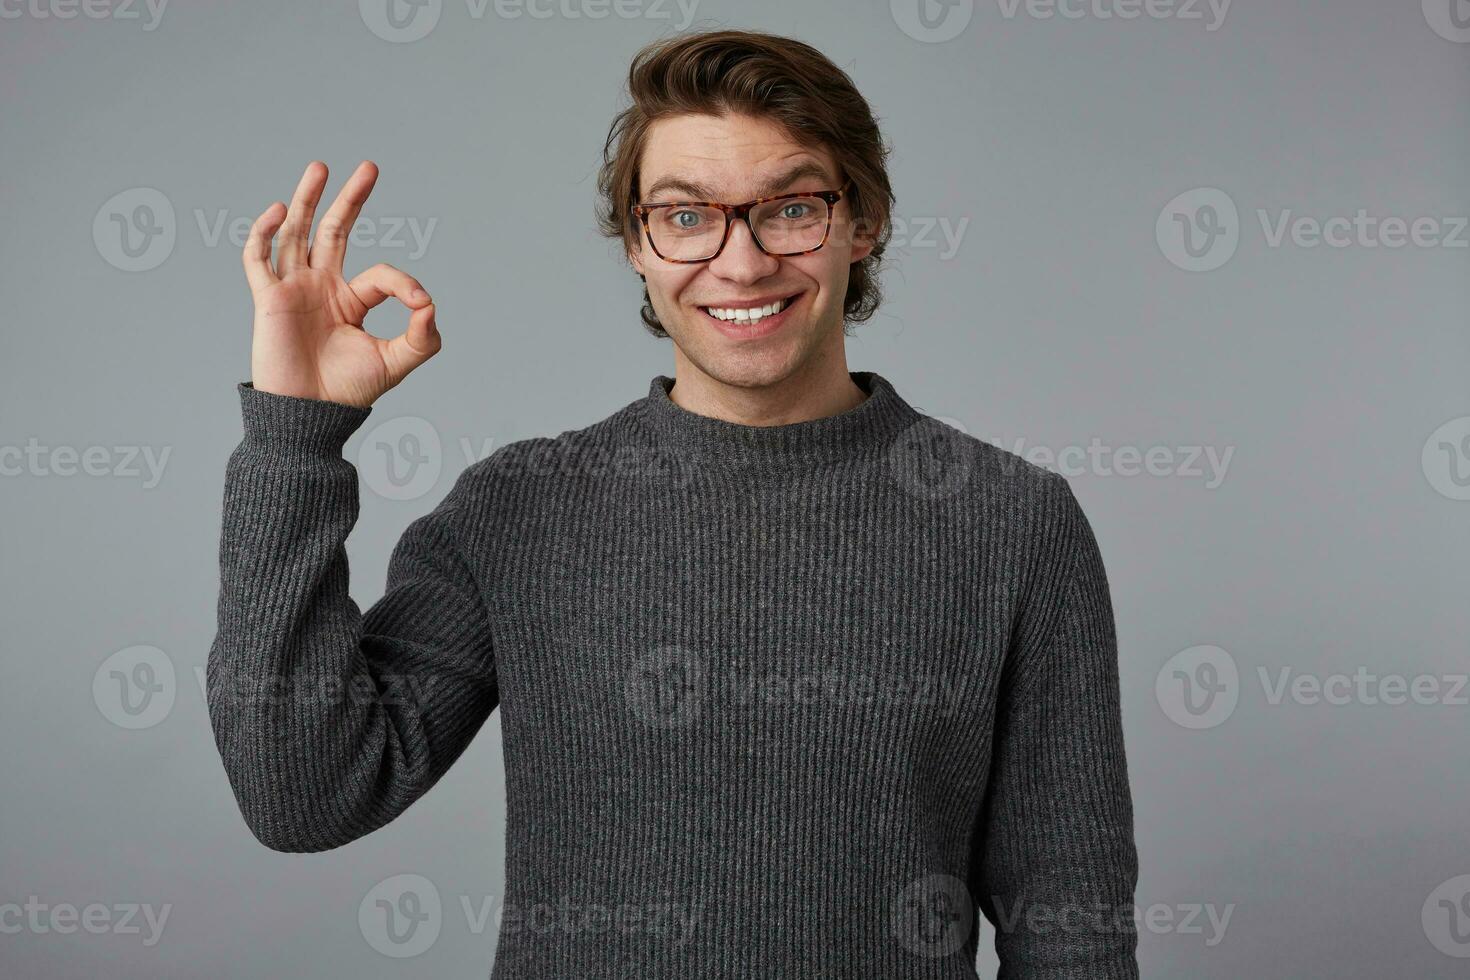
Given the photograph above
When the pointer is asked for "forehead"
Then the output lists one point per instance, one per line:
(733, 157)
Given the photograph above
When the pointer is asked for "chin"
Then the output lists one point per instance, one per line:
(750, 366)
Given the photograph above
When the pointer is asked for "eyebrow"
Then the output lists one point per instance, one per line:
(773, 185)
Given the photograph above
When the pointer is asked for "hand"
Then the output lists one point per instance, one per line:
(308, 337)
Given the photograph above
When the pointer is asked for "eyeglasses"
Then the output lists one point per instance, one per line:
(696, 231)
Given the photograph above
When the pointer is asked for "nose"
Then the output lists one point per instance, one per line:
(742, 260)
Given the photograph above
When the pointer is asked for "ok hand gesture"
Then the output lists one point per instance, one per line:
(308, 336)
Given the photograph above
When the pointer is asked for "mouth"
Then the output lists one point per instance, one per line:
(748, 321)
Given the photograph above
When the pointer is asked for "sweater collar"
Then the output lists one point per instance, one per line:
(870, 425)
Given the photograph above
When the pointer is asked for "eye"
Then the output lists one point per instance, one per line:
(678, 218)
(795, 210)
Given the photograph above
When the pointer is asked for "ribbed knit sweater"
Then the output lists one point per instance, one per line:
(776, 701)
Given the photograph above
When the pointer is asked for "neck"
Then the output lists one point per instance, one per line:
(819, 389)
(807, 437)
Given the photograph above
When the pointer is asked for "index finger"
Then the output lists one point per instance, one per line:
(329, 248)
(257, 252)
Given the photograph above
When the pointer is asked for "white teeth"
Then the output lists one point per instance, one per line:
(746, 315)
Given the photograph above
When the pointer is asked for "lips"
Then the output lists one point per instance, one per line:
(737, 323)
(747, 310)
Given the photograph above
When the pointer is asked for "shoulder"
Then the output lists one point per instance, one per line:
(1054, 555)
(938, 460)
(1000, 468)
(1025, 513)
(538, 465)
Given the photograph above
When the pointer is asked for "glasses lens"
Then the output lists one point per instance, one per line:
(687, 232)
(692, 233)
(796, 224)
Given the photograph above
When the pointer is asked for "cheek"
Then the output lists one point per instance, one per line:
(668, 284)
(826, 270)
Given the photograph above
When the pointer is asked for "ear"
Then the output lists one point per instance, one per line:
(635, 257)
(862, 241)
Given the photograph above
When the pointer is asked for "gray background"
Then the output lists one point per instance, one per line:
(1332, 834)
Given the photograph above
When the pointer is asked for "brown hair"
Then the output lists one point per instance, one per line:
(758, 74)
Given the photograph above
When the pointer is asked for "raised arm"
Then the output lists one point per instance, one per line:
(1058, 864)
(331, 722)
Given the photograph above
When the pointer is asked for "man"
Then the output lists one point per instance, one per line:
(792, 678)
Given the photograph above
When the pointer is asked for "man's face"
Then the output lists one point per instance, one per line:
(732, 159)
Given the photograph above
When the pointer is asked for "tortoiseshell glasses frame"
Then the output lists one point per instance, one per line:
(742, 213)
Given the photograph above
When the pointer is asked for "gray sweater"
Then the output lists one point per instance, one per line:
(788, 701)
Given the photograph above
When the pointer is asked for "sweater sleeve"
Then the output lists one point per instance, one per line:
(331, 722)
(1058, 864)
